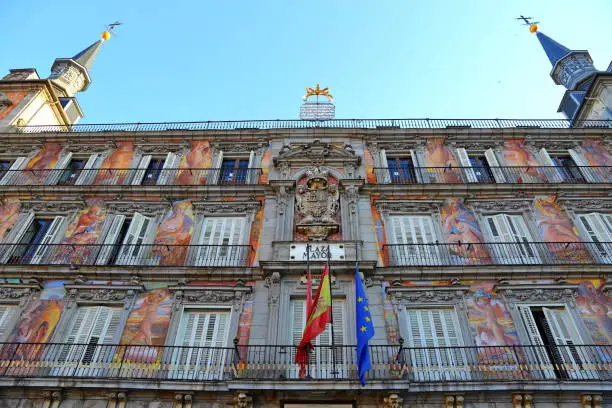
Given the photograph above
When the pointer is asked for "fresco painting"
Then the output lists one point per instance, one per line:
(255, 234)
(379, 233)
(120, 158)
(147, 325)
(596, 155)
(595, 308)
(368, 161)
(460, 227)
(491, 323)
(390, 317)
(244, 326)
(266, 162)
(175, 230)
(437, 155)
(82, 232)
(44, 160)
(516, 154)
(15, 98)
(9, 214)
(36, 324)
(555, 226)
(199, 157)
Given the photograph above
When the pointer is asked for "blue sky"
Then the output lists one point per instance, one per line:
(246, 59)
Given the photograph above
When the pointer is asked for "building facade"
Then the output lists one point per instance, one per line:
(164, 265)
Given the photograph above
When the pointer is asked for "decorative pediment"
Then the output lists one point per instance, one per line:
(534, 293)
(148, 208)
(501, 205)
(102, 294)
(52, 206)
(225, 207)
(318, 154)
(14, 293)
(579, 203)
(445, 294)
(243, 147)
(224, 295)
(408, 206)
(161, 149)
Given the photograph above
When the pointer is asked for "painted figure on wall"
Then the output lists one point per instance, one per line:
(491, 323)
(436, 155)
(147, 325)
(596, 310)
(199, 158)
(120, 158)
(558, 231)
(255, 235)
(9, 101)
(36, 170)
(36, 324)
(516, 154)
(368, 161)
(81, 235)
(597, 156)
(266, 162)
(390, 317)
(460, 227)
(9, 214)
(174, 234)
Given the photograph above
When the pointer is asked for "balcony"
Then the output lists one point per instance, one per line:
(333, 363)
(493, 175)
(134, 177)
(490, 253)
(127, 255)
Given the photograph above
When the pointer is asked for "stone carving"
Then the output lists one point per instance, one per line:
(591, 401)
(225, 207)
(211, 296)
(393, 401)
(453, 401)
(272, 283)
(500, 205)
(318, 203)
(317, 154)
(14, 293)
(237, 147)
(408, 206)
(522, 400)
(586, 204)
(537, 294)
(50, 206)
(243, 400)
(429, 296)
(146, 148)
(148, 208)
(102, 295)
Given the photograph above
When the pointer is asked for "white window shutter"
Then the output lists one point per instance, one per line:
(498, 173)
(597, 228)
(13, 172)
(466, 164)
(512, 232)
(55, 173)
(552, 172)
(110, 239)
(8, 313)
(215, 172)
(219, 238)
(141, 170)
(88, 172)
(251, 176)
(79, 334)
(385, 167)
(169, 169)
(538, 355)
(130, 252)
(413, 232)
(589, 174)
(14, 236)
(51, 236)
(419, 171)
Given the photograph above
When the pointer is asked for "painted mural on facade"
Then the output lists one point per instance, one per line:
(266, 162)
(516, 154)
(491, 323)
(147, 325)
(555, 227)
(10, 100)
(596, 310)
(368, 161)
(595, 153)
(120, 158)
(45, 159)
(9, 214)
(255, 234)
(199, 156)
(81, 236)
(437, 155)
(390, 317)
(173, 235)
(460, 227)
(36, 323)
(244, 326)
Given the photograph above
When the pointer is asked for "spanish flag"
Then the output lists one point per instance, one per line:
(318, 317)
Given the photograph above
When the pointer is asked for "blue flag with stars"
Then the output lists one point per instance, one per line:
(365, 328)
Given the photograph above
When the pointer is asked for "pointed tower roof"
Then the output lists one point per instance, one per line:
(86, 57)
(554, 51)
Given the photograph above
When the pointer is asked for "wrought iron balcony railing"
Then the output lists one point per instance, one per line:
(424, 123)
(495, 253)
(126, 255)
(277, 363)
(491, 175)
(135, 177)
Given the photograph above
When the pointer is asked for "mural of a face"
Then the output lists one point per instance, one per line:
(176, 230)
(198, 157)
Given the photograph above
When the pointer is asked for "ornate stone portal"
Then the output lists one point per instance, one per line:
(317, 202)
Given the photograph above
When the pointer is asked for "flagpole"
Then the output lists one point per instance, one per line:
(331, 313)
(308, 282)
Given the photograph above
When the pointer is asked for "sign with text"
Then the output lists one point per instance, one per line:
(318, 252)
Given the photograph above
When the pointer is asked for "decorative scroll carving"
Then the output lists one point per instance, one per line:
(586, 203)
(393, 401)
(429, 295)
(227, 296)
(537, 294)
(272, 282)
(148, 208)
(14, 293)
(318, 202)
(148, 148)
(243, 400)
(102, 295)
(238, 147)
(226, 207)
(317, 154)
(408, 206)
(83, 293)
(51, 206)
(500, 205)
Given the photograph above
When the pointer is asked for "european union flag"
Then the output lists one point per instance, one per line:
(365, 328)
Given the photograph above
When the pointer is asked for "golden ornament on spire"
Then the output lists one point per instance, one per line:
(318, 91)
(108, 33)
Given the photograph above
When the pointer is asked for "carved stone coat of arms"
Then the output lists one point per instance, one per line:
(317, 202)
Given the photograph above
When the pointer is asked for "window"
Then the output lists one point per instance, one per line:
(512, 242)
(234, 171)
(597, 228)
(9, 174)
(4, 166)
(153, 171)
(482, 171)
(8, 314)
(219, 243)
(568, 169)
(415, 240)
(34, 239)
(401, 170)
(92, 328)
(435, 334)
(71, 173)
(321, 359)
(201, 341)
(88, 172)
(135, 236)
(558, 350)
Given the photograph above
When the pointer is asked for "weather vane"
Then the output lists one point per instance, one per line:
(106, 35)
(318, 91)
(533, 25)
